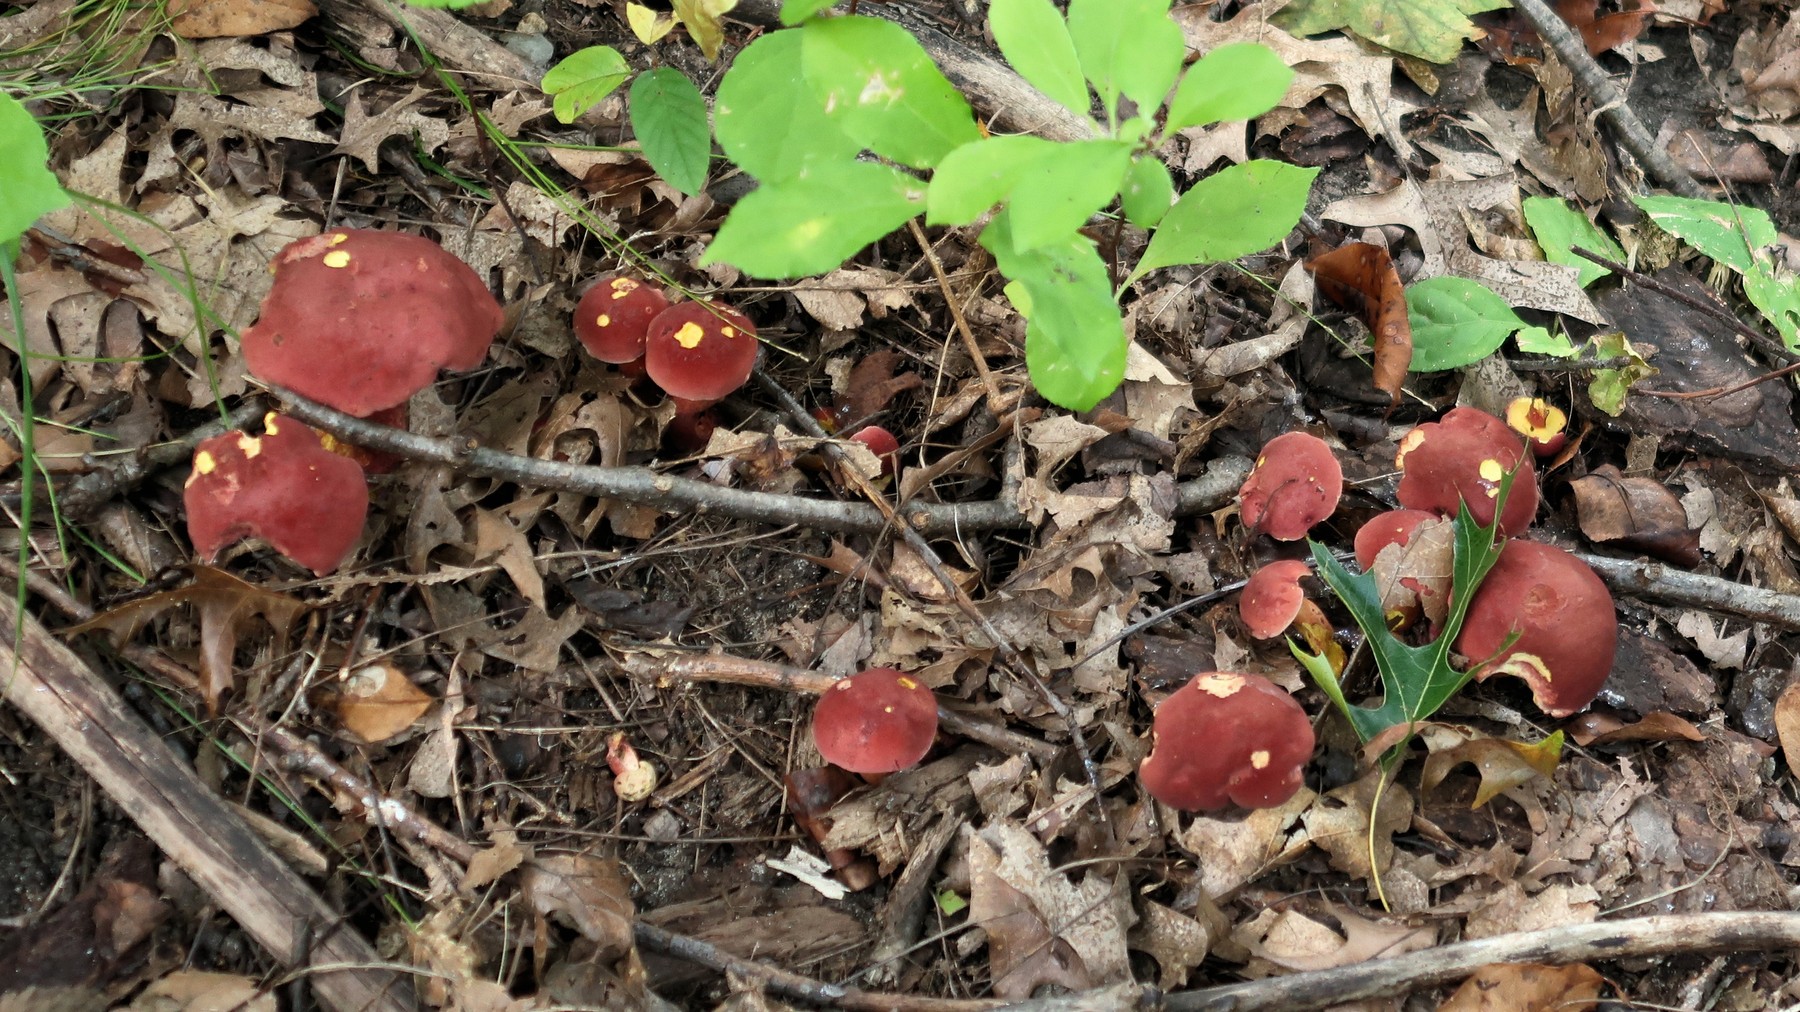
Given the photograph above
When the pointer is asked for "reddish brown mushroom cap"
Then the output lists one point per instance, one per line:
(362, 320)
(698, 353)
(1227, 738)
(1540, 422)
(882, 443)
(1272, 598)
(1395, 527)
(613, 318)
(876, 721)
(1461, 458)
(284, 487)
(1568, 631)
(1296, 483)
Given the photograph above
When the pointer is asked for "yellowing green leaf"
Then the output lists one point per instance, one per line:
(648, 25)
(1609, 386)
(1429, 29)
(702, 18)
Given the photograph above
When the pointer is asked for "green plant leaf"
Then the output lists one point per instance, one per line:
(1236, 81)
(1034, 38)
(1429, 29)
(795, 11)
(813, 223)
(1147, 192)
(580, 80)
(767, 118)
(1773, 292)
(1232, 213)
(1074, 337)
(1063, 187)
(975, 177)
(1539, 341)
(1557, 226)
(669, 117)
(1715, 229)
(704, 21)
(1127, 47)
(882, 89)
(28, 190)
(1456, 322)
(1608, 388)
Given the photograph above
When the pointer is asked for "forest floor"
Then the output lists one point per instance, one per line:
(479, 839)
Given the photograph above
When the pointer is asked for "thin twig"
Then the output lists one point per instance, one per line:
(1711, 308)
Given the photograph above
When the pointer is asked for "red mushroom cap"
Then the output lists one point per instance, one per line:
(882, 443)
(1296, 483)
(284, 487)
(876, 721)
(1395, 527)
(1272, 598)
(614, 316)
(1227, 738)
(699, 353)
(1568, 630)
(362, 320)
(1540, 422)
(1461, 458)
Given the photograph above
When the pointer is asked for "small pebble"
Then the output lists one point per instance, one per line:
(534, 49)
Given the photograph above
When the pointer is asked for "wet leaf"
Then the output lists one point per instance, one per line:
(1636, 513)
(1361, 277)
(1502, 764)
(1599, 729)
(1527, 987)
(1429, 29)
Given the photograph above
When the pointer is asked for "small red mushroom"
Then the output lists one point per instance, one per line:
(1395, 527)
(1227, 738)
(613, 318)
(1296, 483)
(284, 487)
(1461, 458)
(882, 443)
(361, 320)
(1415, 577)
(1563, 613)
(699, 353)
(876, 721)
(1539, 421)
(1272, 598)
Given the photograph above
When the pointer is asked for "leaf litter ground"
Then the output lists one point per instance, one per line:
(546, 623)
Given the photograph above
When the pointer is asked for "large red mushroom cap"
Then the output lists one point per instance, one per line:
(1461, 458)
(699, 353)
(613, 318)
(1296, 483)
(361, 320)
(284, 487)
(1568, 630)
(1227, 738)
(876, 721)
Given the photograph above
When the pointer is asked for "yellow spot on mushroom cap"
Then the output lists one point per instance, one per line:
(622, 287)
(906, 683)
(603, 320)
(338, 239)
(1259, 759)
(1220, 684)
(337, 258)
(690, 335)
(728, 331)
(204, 463)
(1491, 470)
(272, 423)
(887, 709)
(250, 445)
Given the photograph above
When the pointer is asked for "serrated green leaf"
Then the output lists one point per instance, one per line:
(1539, 341)
(1127, 47)
(1232, 213)
(1074, 336)
(881, 88)
(28, 189)
(975, 177)
(1237, 81)
(669, 117)
(767, 118)
(1432, 30)
(1034, 38)
(1147, 192)
(795, 11)
(1557, 226)
(1715, 229)
(813, 223)
(1772, 290)
(580, 80)
(1456, 322)
(1063, 187)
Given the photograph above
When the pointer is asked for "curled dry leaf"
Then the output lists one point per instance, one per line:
(1502, 764)
(1042, 928)
(1339, 824)
(1361, 277)
(378, 701)
(1527, 987)
(1635, 513)
(1603, 729)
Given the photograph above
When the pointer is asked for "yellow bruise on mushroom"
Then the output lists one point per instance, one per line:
(1221, 685)
(906, 683)
(690, 335)
(603, 320)
(1259, 759)
(622, 287)
(250, 445)
(338, 240)
(203, 464)
(1408, 443)
(337, 258)
(843, 685)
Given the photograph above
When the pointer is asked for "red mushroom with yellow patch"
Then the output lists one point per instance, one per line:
(1227, 738)
(613, 318)
(1296, 483)
(1463, 458)
(877, 721)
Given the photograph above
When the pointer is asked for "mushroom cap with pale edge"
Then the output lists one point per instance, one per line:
(876, 721)
(1296, 483)
(1568, 629)
(1462, 457)
(360, 320)
(613, 318)
(699, 353)
(284, 487)
(1227, 738)
(1272, 597)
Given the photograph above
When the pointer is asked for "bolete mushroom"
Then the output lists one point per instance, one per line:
(1272, 598)
(1564, 617)
(1394, 527)
(361, 320)
(1296, 483)
(1542, 423)
(882, 443)
(698, 354)
(1413, 576)
(877, 721)
(284, 487)
(613, 318)
(1227, 738)
(1462, 458)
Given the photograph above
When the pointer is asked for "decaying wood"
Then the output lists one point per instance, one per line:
(1642, 578)
(50, 684)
